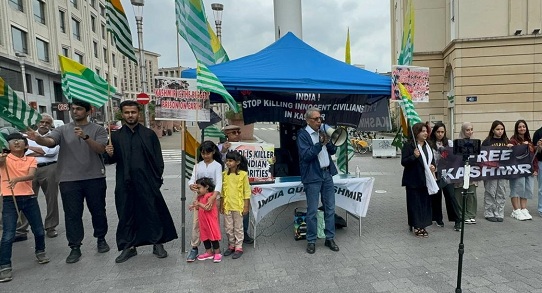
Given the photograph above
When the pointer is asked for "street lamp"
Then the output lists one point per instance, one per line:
(217, 13)
(138, 12)
(21, 58)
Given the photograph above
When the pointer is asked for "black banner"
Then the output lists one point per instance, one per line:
(336, 109)
(491, 163)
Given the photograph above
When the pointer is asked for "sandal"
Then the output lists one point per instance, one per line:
(418, 232)
(424, 233)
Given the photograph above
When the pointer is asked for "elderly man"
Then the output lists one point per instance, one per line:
(81, 174)
(233, 134)
(45, 177)
(317, 170)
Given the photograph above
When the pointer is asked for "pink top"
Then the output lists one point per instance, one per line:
(209, 228)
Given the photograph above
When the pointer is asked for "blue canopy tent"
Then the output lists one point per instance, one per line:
(290, 65)
(281, 81)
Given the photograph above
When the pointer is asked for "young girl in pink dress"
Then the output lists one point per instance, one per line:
(208, 220)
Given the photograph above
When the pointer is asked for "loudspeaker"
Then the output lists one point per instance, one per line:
(336, 136)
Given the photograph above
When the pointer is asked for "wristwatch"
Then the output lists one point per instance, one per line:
(86, 137)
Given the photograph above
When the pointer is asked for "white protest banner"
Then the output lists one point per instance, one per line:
(351, 194)
(415, 79)
(179, 99)
(259, 157)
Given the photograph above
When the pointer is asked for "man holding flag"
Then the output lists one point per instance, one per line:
(81, 173)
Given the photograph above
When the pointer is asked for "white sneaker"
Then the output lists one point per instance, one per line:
(468, 221)
(525, 212)
(518, 215)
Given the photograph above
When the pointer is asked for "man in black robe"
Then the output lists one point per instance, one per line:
(144, 218)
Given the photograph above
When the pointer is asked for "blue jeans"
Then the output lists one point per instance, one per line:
(73, 194)
(29, 206)
(327, 191)
(539, 186)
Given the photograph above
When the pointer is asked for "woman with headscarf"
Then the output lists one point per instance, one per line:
(471, 204)
(418, 179)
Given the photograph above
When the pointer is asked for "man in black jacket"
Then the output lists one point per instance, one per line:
(144, 218)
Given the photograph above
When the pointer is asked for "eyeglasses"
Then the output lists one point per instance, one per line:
(17, 140)
(317, 118)
(235, 132)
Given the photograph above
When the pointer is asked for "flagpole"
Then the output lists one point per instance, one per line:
(110, 72)
(12, 193)
(183, 165)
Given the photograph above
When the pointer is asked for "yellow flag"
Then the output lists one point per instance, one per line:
(347, 50)
(191, 146)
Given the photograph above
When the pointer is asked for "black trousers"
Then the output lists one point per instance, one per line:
(73, 194)
(452, 207)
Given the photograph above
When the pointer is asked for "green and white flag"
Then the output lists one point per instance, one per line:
(213, 131)
(407, 106)
(117, 23)
(407, 43)
(14, 110)
(207, 81)
(342, 158)
(192, 26)
(79, 82)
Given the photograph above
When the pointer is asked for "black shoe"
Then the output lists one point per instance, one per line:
(331, 244)
(159, 251)
(311, 248)
(247, 239)
(20, 237)
(491, 219)
(237, 254)
(75, 255)
(229, 251)
(126, 254)
(102, 245)
(440, 223)
(500, 220)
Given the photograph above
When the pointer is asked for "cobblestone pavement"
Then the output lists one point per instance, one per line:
(499, 257)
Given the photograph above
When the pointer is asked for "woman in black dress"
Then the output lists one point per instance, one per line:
(419, 163)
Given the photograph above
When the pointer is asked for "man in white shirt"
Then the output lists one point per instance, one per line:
(45, 177)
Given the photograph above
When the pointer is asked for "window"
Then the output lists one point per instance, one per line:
(97, 71)
(16, 4)
(93, 22)
(28, 81)
(62, 20)
(115, 81)
(19, 40)
(43, 50)
(102, 10)
(79, 57)
(41, 89)
(74, 2)
(107, 77)
(113, 59)
(104, 32)
(42, 109)
(95, 48)
(105, 55)
(65, 52)
(76, 29)
(93, 3)
(39, 11)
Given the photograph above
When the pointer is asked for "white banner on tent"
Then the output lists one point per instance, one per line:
(351, 194)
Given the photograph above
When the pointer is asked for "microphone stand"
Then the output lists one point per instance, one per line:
(464, 193)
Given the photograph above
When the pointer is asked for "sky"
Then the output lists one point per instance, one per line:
(248, 27)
